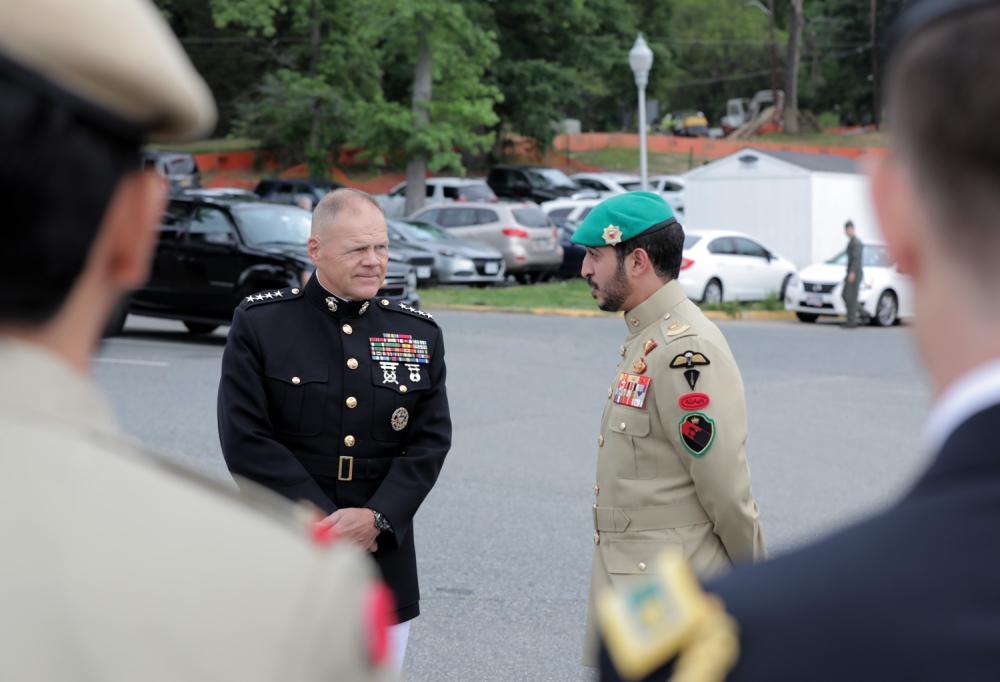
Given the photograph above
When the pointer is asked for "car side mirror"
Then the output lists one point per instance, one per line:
(220, 239)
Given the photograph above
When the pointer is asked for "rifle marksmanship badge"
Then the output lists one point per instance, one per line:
(631, 390)
(697, 433)
(400, 418)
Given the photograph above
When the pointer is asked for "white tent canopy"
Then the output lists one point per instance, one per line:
(795, 204)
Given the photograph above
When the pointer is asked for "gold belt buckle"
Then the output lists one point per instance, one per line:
(350, 468)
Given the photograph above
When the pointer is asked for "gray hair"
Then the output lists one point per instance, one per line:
(338, 201)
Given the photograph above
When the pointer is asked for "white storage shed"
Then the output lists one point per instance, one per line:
(796, 204)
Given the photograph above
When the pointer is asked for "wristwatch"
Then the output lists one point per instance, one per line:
(381, 523)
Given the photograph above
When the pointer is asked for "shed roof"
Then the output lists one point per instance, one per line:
(824, 163)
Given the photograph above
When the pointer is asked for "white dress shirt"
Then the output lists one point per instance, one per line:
(970, 394)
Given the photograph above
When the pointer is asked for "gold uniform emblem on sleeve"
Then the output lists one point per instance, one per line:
(400, 418)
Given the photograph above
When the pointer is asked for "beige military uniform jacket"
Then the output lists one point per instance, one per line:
(671, 466)
(116, 567)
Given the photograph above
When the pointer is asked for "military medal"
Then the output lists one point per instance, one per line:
(631, 390)
(400, 418)
(697, 433)
(639, 366)
(648, 346)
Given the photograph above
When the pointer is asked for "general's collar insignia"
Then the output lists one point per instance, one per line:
(672, 325)
(631, 390)
(267, 296)
(689, 359)
(648, 346)
(697, 433)
(639, 366)
(612, 235)
(364, 308)
(331, 303)
(679, 330)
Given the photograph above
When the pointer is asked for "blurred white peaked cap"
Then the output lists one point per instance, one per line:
(119, 55)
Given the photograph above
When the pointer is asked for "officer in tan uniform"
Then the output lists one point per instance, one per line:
(115, 565)
(671, 466)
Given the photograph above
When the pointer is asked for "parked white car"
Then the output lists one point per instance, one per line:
(439, 191)
(671, 188)
(727, 266)
(607, 184)
(569, 210)
(885, 294)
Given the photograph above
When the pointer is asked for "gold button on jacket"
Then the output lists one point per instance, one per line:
(654, 491)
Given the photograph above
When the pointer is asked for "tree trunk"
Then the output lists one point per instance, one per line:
(416, 167)
(315, 157)
(792, 68)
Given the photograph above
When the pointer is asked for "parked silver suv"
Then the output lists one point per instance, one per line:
(528, 240)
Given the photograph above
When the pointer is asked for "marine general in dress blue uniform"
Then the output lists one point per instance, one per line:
(333, 395)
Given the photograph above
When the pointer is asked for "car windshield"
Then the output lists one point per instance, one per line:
(690, 240)
(551, 177)
(476, 192)
(422, 232)
(273, 224)
(871, 257)
(531, 217)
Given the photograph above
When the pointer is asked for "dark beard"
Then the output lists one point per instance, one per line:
(615, 291)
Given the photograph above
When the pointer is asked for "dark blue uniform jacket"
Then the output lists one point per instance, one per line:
(912, 594)
(306, 409)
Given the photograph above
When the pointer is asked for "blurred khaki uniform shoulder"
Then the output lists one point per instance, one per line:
(117, 568)
(667, 474)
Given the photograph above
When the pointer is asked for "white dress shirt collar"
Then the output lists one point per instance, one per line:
(970, 394)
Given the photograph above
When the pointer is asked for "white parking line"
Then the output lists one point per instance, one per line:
(122, 361)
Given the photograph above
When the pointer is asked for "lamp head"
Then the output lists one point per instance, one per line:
(640, 58)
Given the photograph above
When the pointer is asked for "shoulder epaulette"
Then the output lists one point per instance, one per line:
(400, 307)
(270, 296)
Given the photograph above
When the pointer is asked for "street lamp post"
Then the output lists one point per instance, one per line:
(640, 58)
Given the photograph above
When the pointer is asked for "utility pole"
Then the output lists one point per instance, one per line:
(875, 107)
(774, 59)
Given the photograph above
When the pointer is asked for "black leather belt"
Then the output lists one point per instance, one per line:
(345, 468)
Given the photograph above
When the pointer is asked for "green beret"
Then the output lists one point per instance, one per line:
(621, 217)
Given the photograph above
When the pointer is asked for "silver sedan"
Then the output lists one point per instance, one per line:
(456, 261)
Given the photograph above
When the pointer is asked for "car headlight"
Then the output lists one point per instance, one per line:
(446, 252)
(794, 281)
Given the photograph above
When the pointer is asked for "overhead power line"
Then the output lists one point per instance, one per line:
(724, 41)
(757, 74)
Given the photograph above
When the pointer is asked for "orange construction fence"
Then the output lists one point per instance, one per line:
(703, 147)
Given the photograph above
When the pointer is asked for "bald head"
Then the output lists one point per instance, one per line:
(342, 204)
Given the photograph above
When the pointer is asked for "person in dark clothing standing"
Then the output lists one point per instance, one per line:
(852, 282)
(911, 593)
(331, 395)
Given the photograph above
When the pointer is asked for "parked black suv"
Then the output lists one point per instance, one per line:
(215, 251)
(535, 183)
(179, 168)
(291, 190)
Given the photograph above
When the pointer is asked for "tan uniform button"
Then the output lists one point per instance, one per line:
(622, 350)
(296, 381)
(347, 329)
(352, 402)
(402, 388)
(635, 321)
(642, 566)
(349, 441)
(609, 391)
(597, 538)
(352, 363)
(600, 440)
(597, 490)
(622, 426)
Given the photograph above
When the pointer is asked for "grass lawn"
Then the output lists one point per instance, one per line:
(879, 139)
(572, 294)
(626, 160)
(210, 146)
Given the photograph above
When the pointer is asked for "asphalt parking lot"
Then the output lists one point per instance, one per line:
(504, 540)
